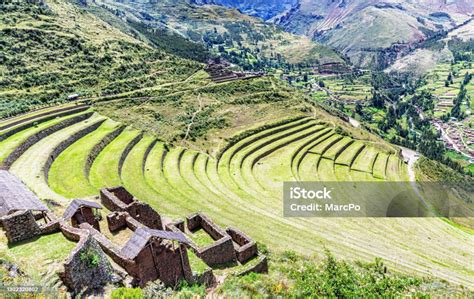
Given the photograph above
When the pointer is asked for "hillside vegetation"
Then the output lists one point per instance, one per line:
(245, 39)
(241, 186)
(157, 124)
(50, 51)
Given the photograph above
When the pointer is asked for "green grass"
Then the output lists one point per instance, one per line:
(197, 265)
(67, 176)
(243, 189)
(8, 145)
(40, 257)
(104, 170)
(201, 238)
(348, 156)
(365, 160)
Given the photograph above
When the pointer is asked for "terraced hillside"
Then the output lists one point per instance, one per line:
(74, 155)
(51, 49)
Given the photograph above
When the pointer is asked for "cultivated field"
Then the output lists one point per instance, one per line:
(241, 186)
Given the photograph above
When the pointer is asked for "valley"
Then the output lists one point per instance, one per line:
(197, 107)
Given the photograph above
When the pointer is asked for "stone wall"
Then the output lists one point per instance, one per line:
(115, 199)
(221, 251)
(116, 221)
(245, 247)
(66, 143)
(35, 138)
(50, 228)
(20, 226)
(145, 214)
(97, 149)
(119, 199)
(44, 118)
(199, 220)
(85, 215)
(87, 267)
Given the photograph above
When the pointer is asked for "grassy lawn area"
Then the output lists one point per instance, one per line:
(66, 176)
(104, 170)
(46, 252)
(200, 237)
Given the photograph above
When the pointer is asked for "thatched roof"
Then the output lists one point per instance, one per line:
(76, 204)
(15, 196)
(141, 237)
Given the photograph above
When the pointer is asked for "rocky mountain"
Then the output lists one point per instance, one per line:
(369, 32)
(360, 29)
(203, 22)
(265, 9)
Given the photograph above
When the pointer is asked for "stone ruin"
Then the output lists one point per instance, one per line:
(220, 72)
(20, 209)
(150, 254)
(82, 211)
(221, 251)
(245, 248)
(19, 226)
(229, 246)
(119, 199)
(87, 267)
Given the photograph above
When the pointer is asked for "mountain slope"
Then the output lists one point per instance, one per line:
(217, 26)
(360, 28)
(53, 48)
(265, 9)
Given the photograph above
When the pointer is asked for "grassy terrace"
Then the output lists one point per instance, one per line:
(29, 167)
(104, 170)
(243, 189)
(9, 144)
(66, 176)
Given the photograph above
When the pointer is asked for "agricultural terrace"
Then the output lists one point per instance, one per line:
(345, 88)
(74, 155)
(444, 82)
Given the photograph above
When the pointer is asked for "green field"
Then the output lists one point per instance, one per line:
(243, 188)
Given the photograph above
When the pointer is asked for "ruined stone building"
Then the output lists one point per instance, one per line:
(20, 209)
(82, 211)
(156, 256)
(119, 199)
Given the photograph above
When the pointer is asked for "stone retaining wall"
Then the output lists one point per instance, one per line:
(66, 143)
(12, 124)
(97, 149)
(28, 125)
(147, 153)
(32, 140)
(127, 150)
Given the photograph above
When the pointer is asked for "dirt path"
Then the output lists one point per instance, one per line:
(411, 157)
